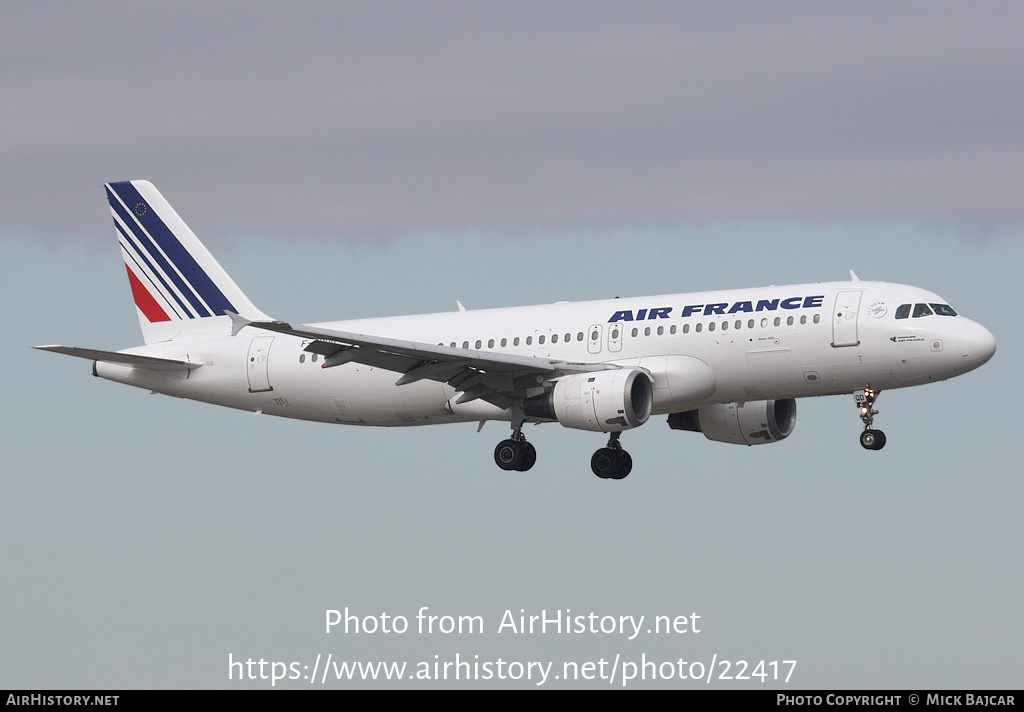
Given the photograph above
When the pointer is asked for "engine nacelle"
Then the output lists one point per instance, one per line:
(605, 401)
(750, 423)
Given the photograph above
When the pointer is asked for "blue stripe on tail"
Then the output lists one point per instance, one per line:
(197, 284)
(138, 254)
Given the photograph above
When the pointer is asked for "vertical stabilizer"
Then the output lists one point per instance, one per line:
(177, 285)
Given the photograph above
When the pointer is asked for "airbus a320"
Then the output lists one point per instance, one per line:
(728, 364)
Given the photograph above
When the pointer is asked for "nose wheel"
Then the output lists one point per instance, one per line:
(870, 439)
(611, 462)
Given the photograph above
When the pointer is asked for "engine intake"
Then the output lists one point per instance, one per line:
(604, 401)
(750, 423)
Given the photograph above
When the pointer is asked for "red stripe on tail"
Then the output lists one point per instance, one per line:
(144, 300)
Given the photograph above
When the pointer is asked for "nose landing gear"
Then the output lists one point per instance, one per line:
(870, 439)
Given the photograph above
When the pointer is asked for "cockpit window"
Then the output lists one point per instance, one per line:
(922, 310)
(902, 311)
(943, 310)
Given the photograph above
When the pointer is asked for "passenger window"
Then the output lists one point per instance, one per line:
(490, 343)
(817, 318)
(634, 332)
(593, 335)
(465, 344)
(647, 331)
(750, 323)
(725, 326)
(529, 340)
(764, 322)
(540, 339)
(478, 344)
(777, 321)
(686, 328)
(711, 326)
(554, 338)
(789, 321)
(302, 358)
(661, 330)
(503, 342)
(698, 327)
(579, 336)
(313, 359)
(922, 310)
(803, 318)
(515, 341)
(672, 329)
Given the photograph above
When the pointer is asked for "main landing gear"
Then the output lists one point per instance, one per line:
(515, 453)
(611, 462)
(869, 439)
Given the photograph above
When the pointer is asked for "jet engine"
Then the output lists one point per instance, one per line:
(604, 401)
(750, 423)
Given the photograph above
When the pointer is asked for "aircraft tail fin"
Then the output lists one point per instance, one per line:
(177, 284)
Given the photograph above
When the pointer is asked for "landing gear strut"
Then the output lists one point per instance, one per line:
(869, 439)
(611, 462)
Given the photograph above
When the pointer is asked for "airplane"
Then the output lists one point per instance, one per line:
(727, 364)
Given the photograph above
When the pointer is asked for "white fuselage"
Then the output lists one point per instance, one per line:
(765, 343)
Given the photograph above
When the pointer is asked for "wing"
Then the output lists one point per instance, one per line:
(150, 362)
(494, 377)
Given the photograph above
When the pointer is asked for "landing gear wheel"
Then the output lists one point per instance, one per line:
(509, 455)
(872, 439)
(603, 462)
(516, 455)
(611, 463)
(625, 465)
(529, 457)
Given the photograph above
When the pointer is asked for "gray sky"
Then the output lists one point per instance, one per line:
(386, 158)
(337, 118)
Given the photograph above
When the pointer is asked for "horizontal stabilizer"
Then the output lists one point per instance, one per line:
(151, 362)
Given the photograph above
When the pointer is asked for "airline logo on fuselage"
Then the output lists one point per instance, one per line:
(723, 308)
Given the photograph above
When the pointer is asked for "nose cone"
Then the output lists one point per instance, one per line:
(976, 345)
